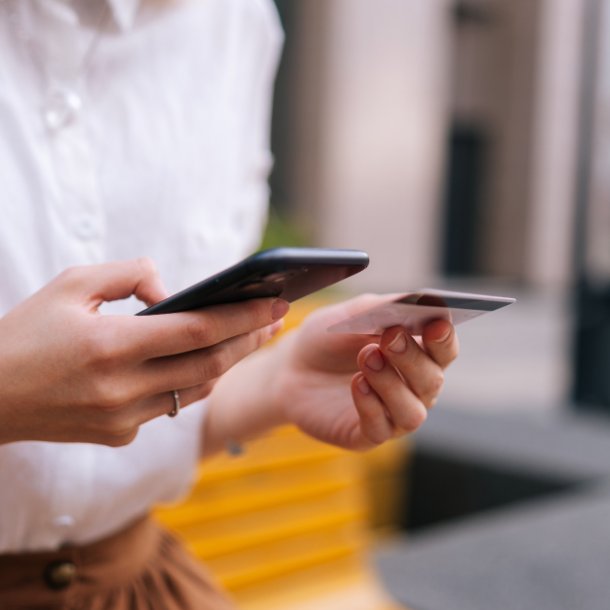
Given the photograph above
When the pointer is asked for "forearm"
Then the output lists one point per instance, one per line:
(352, 391)
(243, 404)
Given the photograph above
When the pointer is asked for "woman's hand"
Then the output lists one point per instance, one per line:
(70, 374)
(353, 391)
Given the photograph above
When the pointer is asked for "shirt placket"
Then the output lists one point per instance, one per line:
(77, 208)
(78, 217)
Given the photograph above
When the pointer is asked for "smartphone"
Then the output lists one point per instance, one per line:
(415, 310)
(290, 273)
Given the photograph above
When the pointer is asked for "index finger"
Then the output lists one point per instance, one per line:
(440, 342)
(145, 337)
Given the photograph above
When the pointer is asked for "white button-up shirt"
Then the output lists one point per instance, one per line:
(168, 158)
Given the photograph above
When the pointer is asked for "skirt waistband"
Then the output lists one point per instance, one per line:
(54, 576)
(140, 568)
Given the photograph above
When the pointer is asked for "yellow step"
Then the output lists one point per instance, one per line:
(306, 584)
(275, 559)
(272, 453)
(343, 584)
(255, 529)
(215, 547)
(262, 490)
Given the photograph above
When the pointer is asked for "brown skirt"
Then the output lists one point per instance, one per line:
(142, 567)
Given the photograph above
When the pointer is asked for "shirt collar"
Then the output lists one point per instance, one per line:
(123, 11)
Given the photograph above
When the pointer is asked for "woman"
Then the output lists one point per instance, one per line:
(140, 129)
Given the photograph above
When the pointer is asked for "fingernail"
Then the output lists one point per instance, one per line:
(374, 359)
(363, 386)
(399, 345)
(280, 309)
(443, 338)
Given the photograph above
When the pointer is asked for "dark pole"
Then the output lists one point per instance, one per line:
(592, 329)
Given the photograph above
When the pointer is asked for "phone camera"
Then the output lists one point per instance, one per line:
(276, 278)
(252, 285)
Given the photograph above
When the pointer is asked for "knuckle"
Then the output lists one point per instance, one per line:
(410, 419)
(121, 440)
(70, 277)
(204, 390)
(365, 299)
(369, 411)
(115, 442)
(376, 435)
(110, 395)
(404, 424)
(147, 265)
(202, 330)
(259, 338)
(358, 304)
(216, 364)
(259, 312)
(372, 420)
(118, 425)
(436, 384)
(97, 353)
(413, 361)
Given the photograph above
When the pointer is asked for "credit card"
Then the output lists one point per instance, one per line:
(415, 310)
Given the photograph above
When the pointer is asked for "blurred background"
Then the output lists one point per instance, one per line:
(464, 144)
(442, 137)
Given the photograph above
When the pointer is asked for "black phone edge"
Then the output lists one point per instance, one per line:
(257, 262)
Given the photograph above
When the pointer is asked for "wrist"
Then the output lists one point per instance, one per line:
(244, 402)
(272, 380)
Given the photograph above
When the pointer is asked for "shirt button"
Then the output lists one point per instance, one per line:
(59, 574)
(64, 521)
(86, 227)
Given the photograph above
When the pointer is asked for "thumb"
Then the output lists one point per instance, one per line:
(121, 279)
